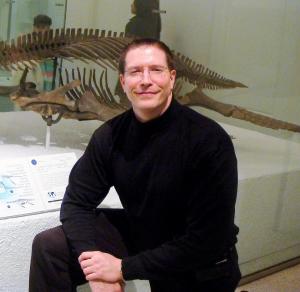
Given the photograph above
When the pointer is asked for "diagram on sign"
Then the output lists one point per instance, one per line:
(33, 184)
(10, 193)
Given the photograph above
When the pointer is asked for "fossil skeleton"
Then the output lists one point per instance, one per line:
(80, 99)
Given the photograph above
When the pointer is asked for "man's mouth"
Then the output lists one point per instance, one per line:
(146, 92)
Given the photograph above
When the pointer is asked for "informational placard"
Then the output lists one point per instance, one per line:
(33, 184)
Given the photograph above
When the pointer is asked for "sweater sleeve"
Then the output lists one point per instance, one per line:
(88, 186)
(210, 230)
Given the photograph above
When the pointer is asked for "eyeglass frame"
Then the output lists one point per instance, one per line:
(154, 72)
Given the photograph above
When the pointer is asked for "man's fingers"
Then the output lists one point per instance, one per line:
(88, 271)
(85, 255)
(86, 263)
(91, 277)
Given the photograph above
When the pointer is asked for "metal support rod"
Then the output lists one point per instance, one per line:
(47, 143)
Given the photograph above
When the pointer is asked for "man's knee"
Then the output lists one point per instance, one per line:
(50, 268)
(51, 241)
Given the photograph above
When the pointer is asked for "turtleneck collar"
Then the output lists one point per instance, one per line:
(159, 122)
(134, 138)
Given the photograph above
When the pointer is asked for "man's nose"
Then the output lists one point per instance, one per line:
(146, 77)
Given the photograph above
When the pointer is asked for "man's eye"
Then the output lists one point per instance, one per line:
(135, 72)
(157, 70)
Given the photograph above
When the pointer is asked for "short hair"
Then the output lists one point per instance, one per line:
(146, 42)
(42, 20)
(143, 7)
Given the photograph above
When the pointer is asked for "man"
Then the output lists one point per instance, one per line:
(44, 74)
(175, 173)
(145, 23)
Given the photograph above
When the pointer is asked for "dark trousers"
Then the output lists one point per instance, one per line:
(55, 268)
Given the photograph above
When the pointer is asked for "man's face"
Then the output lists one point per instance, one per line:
(147, 80)
(42, 28)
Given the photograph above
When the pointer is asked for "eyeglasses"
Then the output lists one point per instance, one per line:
(139, 73)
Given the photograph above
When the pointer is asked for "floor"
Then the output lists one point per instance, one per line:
(284, 281)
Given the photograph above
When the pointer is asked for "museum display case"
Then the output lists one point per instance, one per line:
(251, 45)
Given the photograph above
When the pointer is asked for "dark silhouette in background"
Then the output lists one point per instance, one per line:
(146, 23)
(41, 23)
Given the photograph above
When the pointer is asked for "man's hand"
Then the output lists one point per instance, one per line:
(99, 266)
(97, 286)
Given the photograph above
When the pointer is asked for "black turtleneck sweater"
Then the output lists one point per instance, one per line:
(176, 177)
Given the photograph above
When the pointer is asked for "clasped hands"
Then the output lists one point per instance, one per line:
(102, 270)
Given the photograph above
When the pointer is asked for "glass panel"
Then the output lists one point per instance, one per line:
(4, 19)
(17, 19)
(5, 76)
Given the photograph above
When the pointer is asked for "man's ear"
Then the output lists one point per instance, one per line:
(173, 77)
(122, 81)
